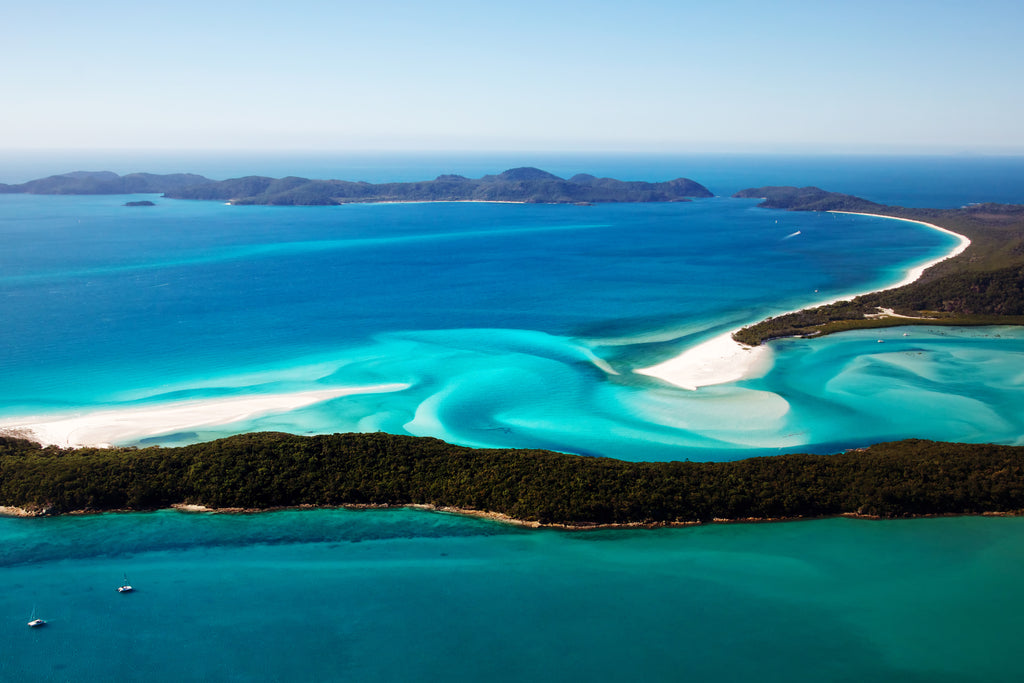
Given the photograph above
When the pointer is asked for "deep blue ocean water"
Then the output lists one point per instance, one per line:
(508, 324)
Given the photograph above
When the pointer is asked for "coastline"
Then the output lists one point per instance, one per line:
(436, 201)
(103, 428)
(396, 201)
(498, 517)
(722, 359)
(261, 472)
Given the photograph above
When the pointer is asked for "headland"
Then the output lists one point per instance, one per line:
(973, 284)
(978, 283)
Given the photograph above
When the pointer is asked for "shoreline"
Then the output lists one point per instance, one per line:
(437, 201)
(104, 427)
(388, 201)
(498, 517)
(722, 359)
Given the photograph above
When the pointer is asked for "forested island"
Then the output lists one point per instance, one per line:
(982, 286)
(527, 185)
(267, 470)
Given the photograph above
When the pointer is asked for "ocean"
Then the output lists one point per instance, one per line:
(402, 595)
(498, 325)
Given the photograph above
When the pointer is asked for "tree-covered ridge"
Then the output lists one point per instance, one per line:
(264, 470)
(515, 185)
(982, 286)
(807, 199)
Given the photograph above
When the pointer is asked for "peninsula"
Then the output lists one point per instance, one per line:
(982, 285)
(523, 185)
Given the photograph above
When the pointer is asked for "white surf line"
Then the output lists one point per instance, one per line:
(722, 359)
(101, 428)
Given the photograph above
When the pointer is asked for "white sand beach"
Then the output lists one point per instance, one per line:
(722, 359)
(102, 428)
(719, 360)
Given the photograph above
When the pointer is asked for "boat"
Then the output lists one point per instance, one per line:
(125, 587)
(35, 622)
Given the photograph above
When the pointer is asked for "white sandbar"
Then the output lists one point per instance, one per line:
(717, 361)
(102, 428)
(723, 359)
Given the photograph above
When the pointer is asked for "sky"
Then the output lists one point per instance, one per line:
(645, 75)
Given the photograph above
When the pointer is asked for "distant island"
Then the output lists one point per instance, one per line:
(984, 285)
(144, 202)
(105, 182)
(525, 185)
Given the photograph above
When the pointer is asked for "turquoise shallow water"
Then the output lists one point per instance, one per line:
(511, 325)
(407, 595)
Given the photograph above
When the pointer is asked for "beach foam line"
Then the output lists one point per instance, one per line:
(101, 428)
(722, 359)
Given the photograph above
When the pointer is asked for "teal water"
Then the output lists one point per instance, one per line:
(408, 595)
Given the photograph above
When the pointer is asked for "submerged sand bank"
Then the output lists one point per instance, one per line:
(101, 428)
(723, 359)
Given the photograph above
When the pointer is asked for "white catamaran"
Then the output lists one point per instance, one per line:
(35, 622)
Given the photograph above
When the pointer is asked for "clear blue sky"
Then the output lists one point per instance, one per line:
(644, 75)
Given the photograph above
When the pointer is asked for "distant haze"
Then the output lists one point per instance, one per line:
(649, 75)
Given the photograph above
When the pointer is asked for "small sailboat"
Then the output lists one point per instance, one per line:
(34, 621)
(125, 587)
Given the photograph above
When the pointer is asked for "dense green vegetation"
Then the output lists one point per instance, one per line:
(264, 470)
(515, 185)
(982, 286)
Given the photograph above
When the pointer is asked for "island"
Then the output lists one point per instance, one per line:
(144, 202)
(268, 470)
(983, 285)
(520, 185)
(105, 182)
